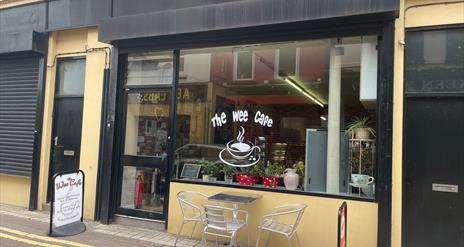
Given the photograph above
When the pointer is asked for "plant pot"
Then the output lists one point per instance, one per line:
(361, 133)
(213, 179)
(205, 178)
(228, 180)
(244, 179)
(271, 181)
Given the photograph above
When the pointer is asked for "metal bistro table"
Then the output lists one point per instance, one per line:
(234, 198)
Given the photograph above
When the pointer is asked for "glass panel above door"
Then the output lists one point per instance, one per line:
(149, 69)
(71, 77)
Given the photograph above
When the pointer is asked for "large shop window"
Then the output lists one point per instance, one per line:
(291, 116)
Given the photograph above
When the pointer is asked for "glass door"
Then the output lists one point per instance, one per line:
(144, 156)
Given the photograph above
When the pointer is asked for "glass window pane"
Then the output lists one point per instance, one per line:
(147, 123)
(435, 61)
(71, 77)
(143, 189)
(149, 69)
(244, 65)
(308, 107)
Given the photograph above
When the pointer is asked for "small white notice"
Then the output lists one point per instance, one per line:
(68, 198)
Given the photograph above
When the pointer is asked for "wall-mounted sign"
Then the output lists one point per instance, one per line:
(67, 204)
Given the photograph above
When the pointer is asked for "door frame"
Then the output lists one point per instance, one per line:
(54, 119)
(123, 90)
(406, 97)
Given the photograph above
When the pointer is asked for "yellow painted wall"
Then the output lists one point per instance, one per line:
(76, 41)
(318, 227)
(14, 190)
(411, 15)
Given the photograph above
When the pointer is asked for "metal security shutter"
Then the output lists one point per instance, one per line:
(18, 104)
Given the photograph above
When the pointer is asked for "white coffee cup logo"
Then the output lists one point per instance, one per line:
(241, 150)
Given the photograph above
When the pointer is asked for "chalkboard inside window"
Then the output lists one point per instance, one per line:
(190, 171)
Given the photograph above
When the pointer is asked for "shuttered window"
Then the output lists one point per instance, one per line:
(18, 105)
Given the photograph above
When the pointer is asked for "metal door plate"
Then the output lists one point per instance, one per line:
(445, 188)
(68, 152)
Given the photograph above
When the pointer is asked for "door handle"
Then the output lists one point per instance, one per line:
(55, 140)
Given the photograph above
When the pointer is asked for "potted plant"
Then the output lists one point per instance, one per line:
(229, 172)
(250, 175)
(300, 170)
(360, 128)
(273, 172)
(209, 170)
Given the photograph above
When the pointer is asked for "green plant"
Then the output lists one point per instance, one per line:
(257, 170)
(300, 168)
(360, 123)
(228, 170)
(275, 169)
(209, 168)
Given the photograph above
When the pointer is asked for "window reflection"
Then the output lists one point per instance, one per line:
(296, 102)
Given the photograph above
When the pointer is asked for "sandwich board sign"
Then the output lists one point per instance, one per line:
(342, 223)
(66, 211)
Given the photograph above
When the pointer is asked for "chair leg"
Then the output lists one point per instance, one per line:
(248, 237)
(203, 237)
(233, 239)
(180, 231)
(193, 230)
(259, 236)
(289, 240)
(297, 239)
(267, 239)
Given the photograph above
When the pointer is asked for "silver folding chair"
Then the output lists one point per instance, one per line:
(283, 220)
(190, 211)
(217, 223)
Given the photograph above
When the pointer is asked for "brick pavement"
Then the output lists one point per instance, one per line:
(157, 238)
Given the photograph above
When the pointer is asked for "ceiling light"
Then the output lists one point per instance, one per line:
(303, 91)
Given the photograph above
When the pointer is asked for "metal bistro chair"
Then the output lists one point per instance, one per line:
(282, 220)
(218, 224)
(190, 211)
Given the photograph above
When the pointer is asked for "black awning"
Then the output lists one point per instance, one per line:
(236, 14)
(23, 41)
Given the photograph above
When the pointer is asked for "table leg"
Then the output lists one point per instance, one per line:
(235, 212)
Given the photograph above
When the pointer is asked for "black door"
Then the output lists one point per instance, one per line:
(434, 172)
(433, 213)
(67, 116)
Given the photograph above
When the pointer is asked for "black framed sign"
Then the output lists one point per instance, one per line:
(342, 223)
(67, 205)
(190, 171)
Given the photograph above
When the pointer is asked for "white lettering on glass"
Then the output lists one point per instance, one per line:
(219, 121)
(263, 119)
(240, 116)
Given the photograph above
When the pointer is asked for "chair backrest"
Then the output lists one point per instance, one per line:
(215, 216)
(187, 203)
(292, 212)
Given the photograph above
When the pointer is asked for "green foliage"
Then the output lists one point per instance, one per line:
(300, 168)
(257, 169)
(228, 170)
(209, 168)
(358, 123)
(275, 169)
